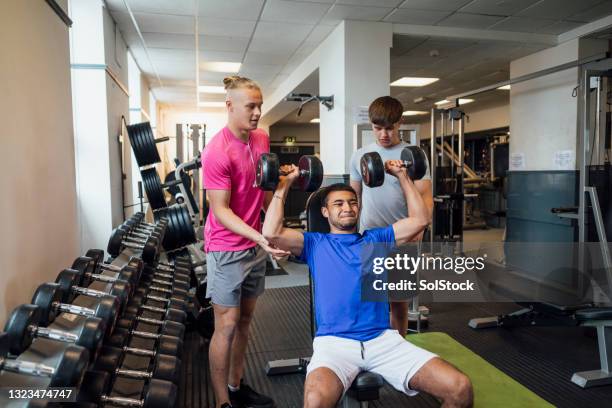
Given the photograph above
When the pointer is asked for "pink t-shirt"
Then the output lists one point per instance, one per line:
(228, 163)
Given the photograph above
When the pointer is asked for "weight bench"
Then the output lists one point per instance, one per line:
(366, 386)
(601, 319)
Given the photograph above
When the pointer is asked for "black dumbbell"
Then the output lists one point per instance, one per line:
(96, 386)
(268, 172)
(166, 327)
(87, 267)
(69, 279)
(48, 297)
(141, 295)
(164, 344)
(413, 159)
(134, 264)
(177, 277)
(118, 240)
(165, 367)
(68, 373)
(173, 315)
(162, 222)
(23, 326)
(172, 285)
(176, 292)
(133, 228)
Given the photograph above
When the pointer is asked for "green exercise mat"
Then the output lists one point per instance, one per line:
(492, 388)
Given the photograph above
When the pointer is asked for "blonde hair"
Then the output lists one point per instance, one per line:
(236, 81)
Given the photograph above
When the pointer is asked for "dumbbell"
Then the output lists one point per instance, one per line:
(23, 326)
(165, 367)
(134, 264)
(69, 279)
(68, 373)
(162, 222)
(164, 344)
(268, 172)
(172, 285)
(86, 266)
(176, 292)
(166, 327)
(178, 277)
(173, 315)
(96, 385)
(133, 228)
(141, 295)
(372, 167)
(48, 297)
(118, 240)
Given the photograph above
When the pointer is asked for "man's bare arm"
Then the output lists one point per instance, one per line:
(273, 227)
(357, 187)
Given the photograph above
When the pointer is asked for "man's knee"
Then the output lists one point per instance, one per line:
(461, 393)
(313, 399)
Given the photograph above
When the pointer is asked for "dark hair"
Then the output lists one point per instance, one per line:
(335, 187)
(385, 111)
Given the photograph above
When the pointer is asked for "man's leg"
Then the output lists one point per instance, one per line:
(399, 317)
(445, 382)
(226, 322)
(239, 345)
(322, 389)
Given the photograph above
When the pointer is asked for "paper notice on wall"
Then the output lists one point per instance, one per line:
(565, 160)
(360, 115)
(517, 161)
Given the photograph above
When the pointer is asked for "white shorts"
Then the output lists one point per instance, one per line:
(388, 355)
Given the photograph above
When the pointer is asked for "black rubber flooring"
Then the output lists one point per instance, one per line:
(542, 359)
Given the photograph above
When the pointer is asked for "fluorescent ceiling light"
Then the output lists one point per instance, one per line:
(211, 89)
(461, 101)
(315, 120)
(414, 113)
(217, 66)
(414, 81)
(211, 104)
(504, 88)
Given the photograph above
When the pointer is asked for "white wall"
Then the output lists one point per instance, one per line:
(543, 112)
(38, 212)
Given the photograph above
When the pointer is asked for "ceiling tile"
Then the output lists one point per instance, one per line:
(272, 31)
(559, 27)
(231, 9)
(404, 43)
(521, 24)
(466, 20)
(253, 57)
(558, 9)
(177, 7)
(375, 3)
(215, 26)
(215, 78)
(599, 11)
(173, 55)
(442, 5)
(497, 7)
(293, 11)
(341, 12)
(219, 43)
(158, 40)
(280, 45)
(319, 33)
(410, 16)
(260, 68)
(444, 48)
(157, 23)
(306, 48)
(225, 56)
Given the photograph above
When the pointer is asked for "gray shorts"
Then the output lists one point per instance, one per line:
(232, 275)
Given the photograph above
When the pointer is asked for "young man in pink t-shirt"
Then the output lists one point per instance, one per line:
(236, 251)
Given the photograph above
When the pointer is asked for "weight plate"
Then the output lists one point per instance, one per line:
(153, 188)
(267, 171)
(310, 181)
(416, 159)
(372, 169)
(189, 231)
(18, 327)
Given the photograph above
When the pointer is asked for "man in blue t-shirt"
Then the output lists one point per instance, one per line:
(354, 336)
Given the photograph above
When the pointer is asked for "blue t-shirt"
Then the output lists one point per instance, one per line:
(336, 266)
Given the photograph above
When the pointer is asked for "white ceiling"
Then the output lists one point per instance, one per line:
(271, 37)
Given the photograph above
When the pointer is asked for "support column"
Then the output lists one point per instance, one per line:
(100, 99)
(354, 66)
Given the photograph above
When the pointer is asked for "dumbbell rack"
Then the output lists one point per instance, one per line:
(48, 352)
